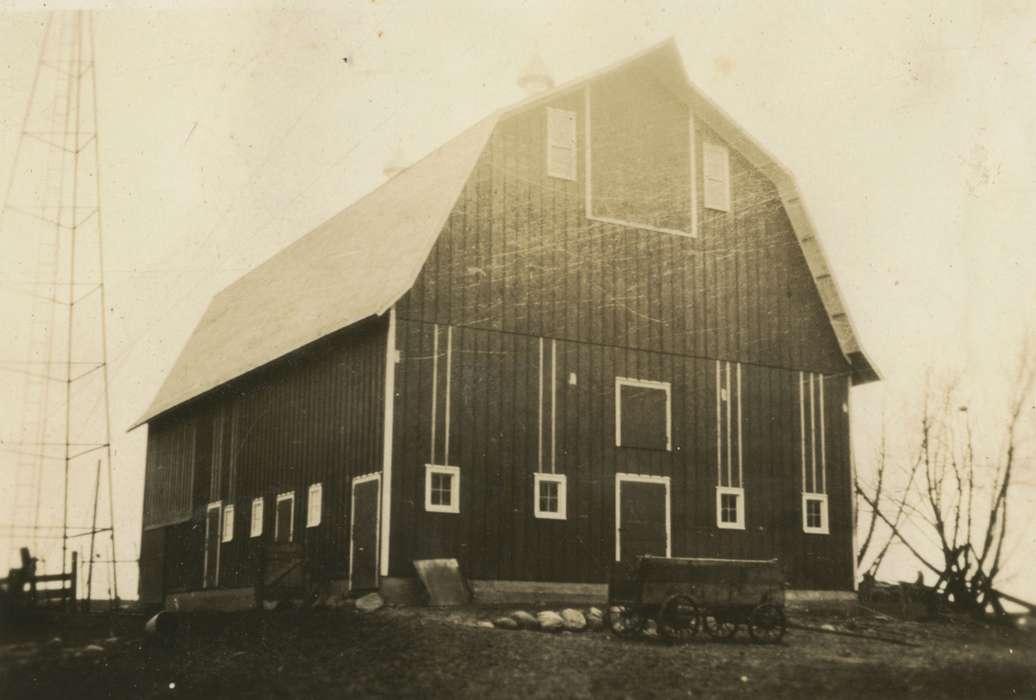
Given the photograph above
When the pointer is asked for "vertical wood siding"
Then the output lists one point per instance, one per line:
(518, 261)
(493, 422)
(315, 416)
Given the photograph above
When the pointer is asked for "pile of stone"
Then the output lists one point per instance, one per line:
(567, 620)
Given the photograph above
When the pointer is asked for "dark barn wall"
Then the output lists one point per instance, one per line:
(494, 439)
(518, 254)
(314, 416)
(519, 260)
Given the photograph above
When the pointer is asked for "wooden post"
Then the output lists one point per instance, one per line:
(71, 597)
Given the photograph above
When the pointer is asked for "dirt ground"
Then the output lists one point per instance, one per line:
(414, 652)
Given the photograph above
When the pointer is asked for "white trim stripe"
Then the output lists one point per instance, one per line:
(719, 426)
(740, 468)
(554, 406)
(539, 411)
(823, 440)
(385, 487)
(730, 458)
(435, 385)
(446, 409)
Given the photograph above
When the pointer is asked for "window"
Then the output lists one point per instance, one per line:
(716, 166)
(814, 513)
(638, 143)
(441, 489)
(551, 496)
(314, 503)
(561, 143)
(228, 523)
(257, 518)
(643, 414)
(284, 522)
(730, 508)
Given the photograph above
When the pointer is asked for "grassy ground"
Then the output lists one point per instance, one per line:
(426, 653)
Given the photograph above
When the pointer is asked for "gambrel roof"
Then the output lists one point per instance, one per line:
(359, 262)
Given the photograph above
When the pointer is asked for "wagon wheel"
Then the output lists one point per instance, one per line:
(718, 627)
(679, 619)
(625, 620)
(766, 625)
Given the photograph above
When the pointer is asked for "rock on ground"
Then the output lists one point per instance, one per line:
(370, 602)
(574, 620)
(506, 623)
(550, 621)
(525, 620)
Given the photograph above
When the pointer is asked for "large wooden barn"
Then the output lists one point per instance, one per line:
(597, 323)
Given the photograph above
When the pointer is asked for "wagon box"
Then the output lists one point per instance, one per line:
(684, 593)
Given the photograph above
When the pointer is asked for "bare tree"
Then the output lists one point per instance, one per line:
(943, 484)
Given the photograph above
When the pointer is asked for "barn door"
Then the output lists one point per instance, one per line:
(364, 527)
(213, 537)
(641, 516)
(284, 518)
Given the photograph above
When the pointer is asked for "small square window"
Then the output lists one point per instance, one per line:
(551, 496)
(228, 523)
(442, 489)
(257, 518)
(730, 508)
(814, 513)
(314, 505)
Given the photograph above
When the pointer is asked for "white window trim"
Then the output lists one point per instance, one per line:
(256, 525)
(738, 524)
(227, 528)
(562, 481)
(646, 384)
(454, 506)
(315, 495)
(287, 495)
(588, 195)
(643, 479)
(572, 146)
(716, 149)
(825, 525)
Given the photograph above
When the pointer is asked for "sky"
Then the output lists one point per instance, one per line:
(226, 134)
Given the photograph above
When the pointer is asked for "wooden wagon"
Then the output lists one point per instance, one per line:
(684, 594)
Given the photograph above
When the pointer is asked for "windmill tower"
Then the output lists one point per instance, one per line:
(56, 434)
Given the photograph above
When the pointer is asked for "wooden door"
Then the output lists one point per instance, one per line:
(364, 528)
(284, 519)
(642, 520)
(213, 537)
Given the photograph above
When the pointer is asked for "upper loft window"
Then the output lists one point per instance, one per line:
(643, 414)
(561, 143)
(639, 146)
(716, 169)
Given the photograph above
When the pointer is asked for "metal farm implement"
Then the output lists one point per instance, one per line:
(684, 594)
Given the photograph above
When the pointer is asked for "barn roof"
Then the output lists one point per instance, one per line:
(359, 262)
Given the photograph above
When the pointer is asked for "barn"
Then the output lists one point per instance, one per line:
(596, 324)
